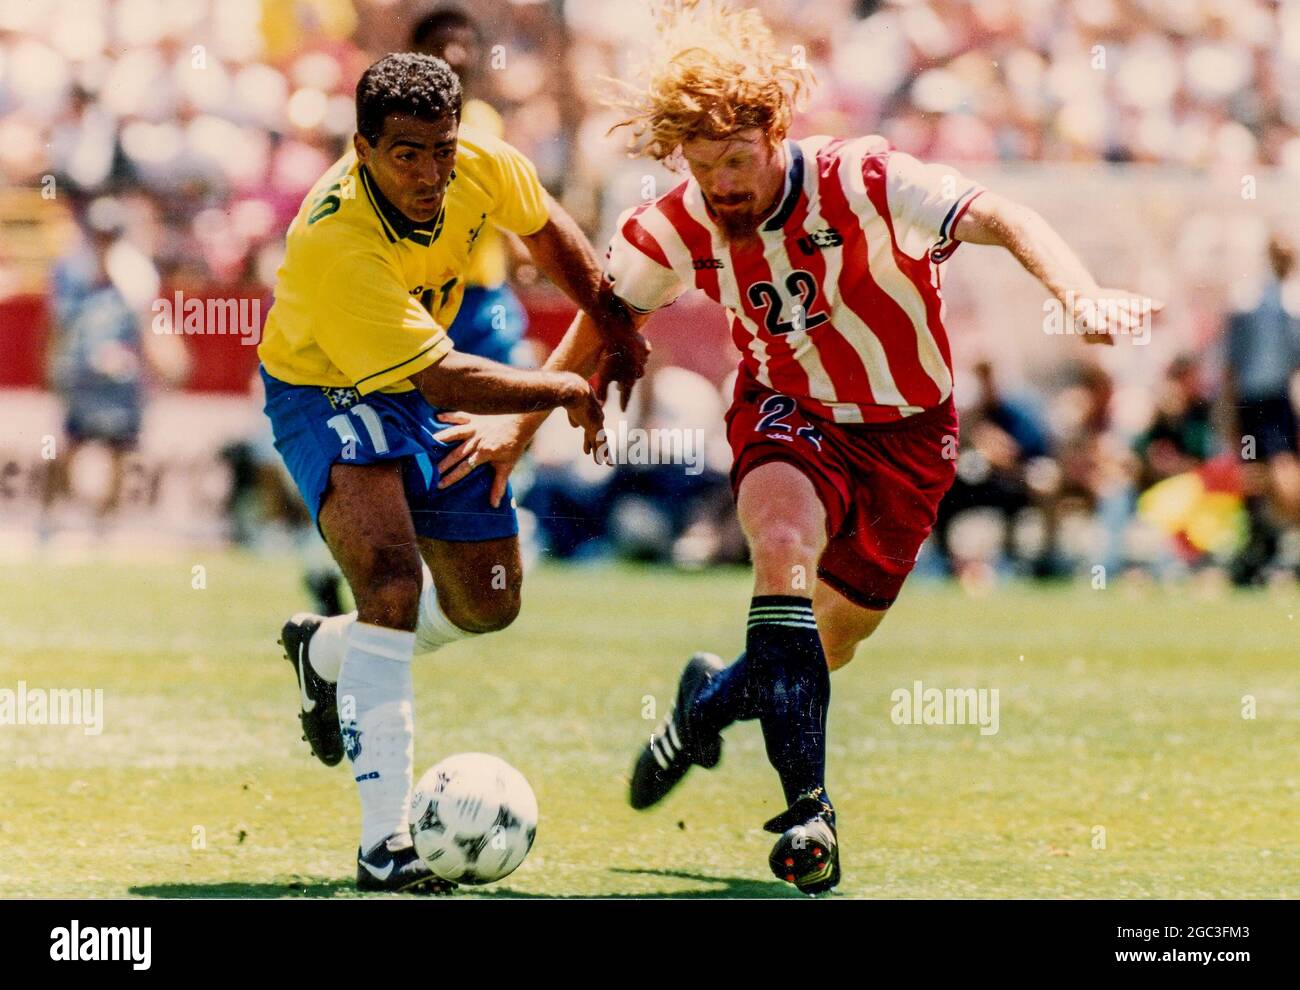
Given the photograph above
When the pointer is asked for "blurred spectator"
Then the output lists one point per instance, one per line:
(1262, 345)
(491, 322)
(1263, 352)
(1181, 437)
(100, 293)
(1095, 467)
(1001, 438)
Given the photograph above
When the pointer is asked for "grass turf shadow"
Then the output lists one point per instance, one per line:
(322, 888)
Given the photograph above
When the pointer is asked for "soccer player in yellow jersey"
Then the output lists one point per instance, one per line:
(357, 363)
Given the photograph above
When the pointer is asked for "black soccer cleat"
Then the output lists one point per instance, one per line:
(808, 852)
(676, 744)
(318, 698)
(393, 866)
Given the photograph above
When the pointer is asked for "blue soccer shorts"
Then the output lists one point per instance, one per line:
(317, 427)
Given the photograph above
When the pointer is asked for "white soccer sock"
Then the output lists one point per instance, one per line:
(376, 702)
(434, 630)
(327, 646)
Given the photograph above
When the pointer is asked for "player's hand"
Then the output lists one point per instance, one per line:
(622, 363)
(587, 414)
(626, 351)
(495, 440)
(1103, 314)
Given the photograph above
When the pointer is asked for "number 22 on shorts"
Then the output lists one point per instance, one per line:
(775, 409)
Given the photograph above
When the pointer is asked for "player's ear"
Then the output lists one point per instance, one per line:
(362, 147)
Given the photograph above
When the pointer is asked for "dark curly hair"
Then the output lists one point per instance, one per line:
(420, 86)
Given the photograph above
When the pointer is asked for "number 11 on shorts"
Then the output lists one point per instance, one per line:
(342, 425)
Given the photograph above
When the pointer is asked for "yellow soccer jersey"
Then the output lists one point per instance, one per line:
(364, 294)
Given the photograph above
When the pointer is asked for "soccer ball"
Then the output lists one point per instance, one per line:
(473, 818)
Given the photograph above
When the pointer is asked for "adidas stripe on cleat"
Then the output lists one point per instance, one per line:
(674, 748)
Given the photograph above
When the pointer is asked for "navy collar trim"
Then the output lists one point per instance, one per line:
(795, 176)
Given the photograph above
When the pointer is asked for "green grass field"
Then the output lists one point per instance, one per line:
(1119, 709)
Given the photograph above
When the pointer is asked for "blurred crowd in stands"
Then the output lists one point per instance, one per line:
(221, 115)
(197, 126)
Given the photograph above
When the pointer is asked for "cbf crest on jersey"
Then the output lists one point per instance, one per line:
(341, 397)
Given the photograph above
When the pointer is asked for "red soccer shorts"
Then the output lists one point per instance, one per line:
(880, 484)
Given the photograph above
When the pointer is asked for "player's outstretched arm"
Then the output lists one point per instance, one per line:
(502, 440)
(993, 219)
(477, 385)
(564, 255)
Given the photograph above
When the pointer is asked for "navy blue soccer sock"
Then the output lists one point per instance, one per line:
(729, 697)
(785, 656)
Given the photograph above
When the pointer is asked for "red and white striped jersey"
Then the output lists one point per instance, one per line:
(837, 304)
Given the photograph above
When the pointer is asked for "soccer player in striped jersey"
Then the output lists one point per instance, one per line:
(826, 254)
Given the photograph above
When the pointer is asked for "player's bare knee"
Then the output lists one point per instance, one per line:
(781, 547)
(487, 613)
